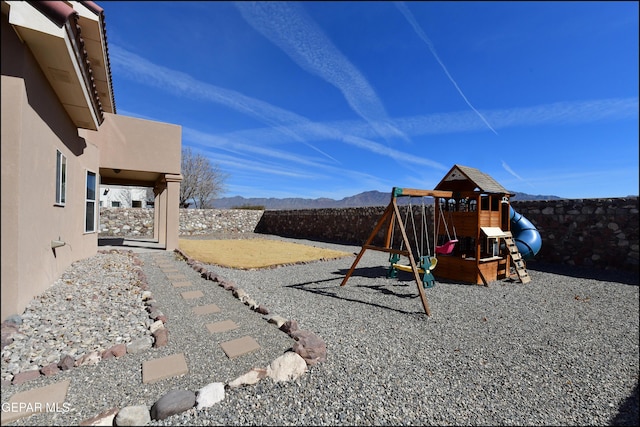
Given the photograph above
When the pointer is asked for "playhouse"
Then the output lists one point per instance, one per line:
(480, 216)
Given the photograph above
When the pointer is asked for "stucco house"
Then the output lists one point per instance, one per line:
(62, 139)
(116, 196)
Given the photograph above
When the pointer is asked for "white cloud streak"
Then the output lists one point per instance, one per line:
(561, 113)
(182, 84)
(506, 167)
(287, 127)
(285, 123)
(287, 26)
(416, 27)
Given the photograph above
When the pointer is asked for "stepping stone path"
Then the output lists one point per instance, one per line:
(234, 348)
(289, 366)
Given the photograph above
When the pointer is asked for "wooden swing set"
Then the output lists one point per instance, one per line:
(426, 261)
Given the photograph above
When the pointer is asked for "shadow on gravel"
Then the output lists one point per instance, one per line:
(618, 276)
(628, 413)
(327, 292)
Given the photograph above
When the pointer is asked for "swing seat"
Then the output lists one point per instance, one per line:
(406, 268)
(403, 267)
(447, 248)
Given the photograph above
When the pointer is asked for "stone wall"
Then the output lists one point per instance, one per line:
(135, 222)
(341, 225)
(602, 233)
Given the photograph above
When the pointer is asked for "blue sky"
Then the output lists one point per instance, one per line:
(330, 99)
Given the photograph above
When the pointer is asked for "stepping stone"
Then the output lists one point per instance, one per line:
(192, 294)
(175, 276)
(206, 309)
(163, 368)
(180, 284)
(240, 346)
(169, 271)
(223, 326)
(43, 399)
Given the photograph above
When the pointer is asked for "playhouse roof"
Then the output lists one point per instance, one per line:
(465, 178)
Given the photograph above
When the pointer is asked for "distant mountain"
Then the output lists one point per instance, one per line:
(521, 197)
(368, 198)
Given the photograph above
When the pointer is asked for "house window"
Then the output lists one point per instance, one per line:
(115, 204)
(90, 203)
(136, 204)
(61, 178)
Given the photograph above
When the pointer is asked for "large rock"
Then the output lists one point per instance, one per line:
(289, 366)
(161, 337)
(289, 327)
(92, 358)
(250, 378)
(310, 347)
(209, 395)
(133, 416)
(139, 345)
(23, 377)
(172, 403)
(104, 418)
(66, 363)
(50, 369)
(278, 320)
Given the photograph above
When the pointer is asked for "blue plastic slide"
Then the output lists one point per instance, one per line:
(526, 235)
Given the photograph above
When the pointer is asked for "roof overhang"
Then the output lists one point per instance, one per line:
(109, 176)
(68, 41)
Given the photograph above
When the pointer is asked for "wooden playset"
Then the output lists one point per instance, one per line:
(470, 228)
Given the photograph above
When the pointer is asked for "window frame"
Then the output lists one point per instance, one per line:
(88, 201)
(61, 179)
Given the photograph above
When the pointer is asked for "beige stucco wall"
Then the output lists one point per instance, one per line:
(136, 144)
(34, 125)
(146, 153)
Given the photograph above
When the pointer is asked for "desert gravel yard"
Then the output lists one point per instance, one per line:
(560, 350)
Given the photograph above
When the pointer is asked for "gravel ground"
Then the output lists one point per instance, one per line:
(560, 350)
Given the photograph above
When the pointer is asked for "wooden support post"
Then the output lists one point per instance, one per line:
(367, 244)
(412, 261)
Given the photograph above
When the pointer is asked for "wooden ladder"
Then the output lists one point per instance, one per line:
(515, 255)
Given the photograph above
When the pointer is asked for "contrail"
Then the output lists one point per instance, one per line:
(287, 26)
(409, 16)
(508, 169)
(183, 84)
